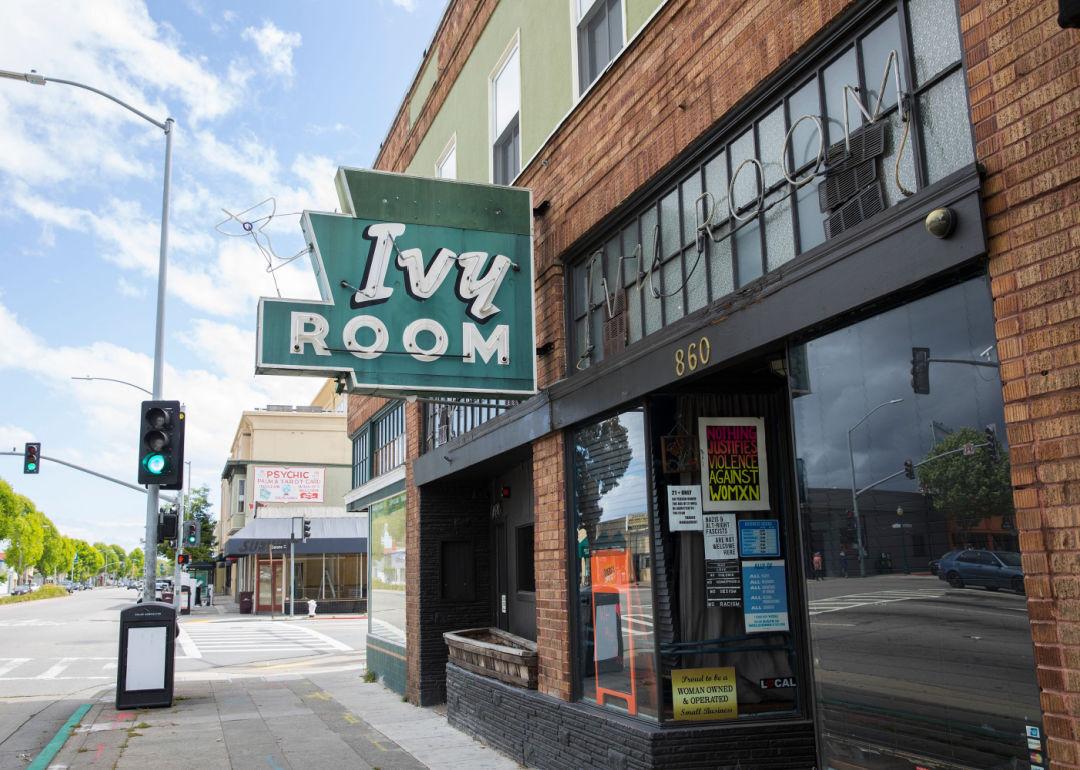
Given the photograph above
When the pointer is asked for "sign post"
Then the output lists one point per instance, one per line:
(426, 287)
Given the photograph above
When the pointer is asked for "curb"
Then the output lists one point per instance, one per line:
(52, 748)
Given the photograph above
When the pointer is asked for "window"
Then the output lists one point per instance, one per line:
(449, 418)
(616, 643)
(599, 38)
(732, 215)
(889, 613)
(446, 165)
(505, 112)
(361, 458)
(388, 431)
(386, 606)
(241, 484)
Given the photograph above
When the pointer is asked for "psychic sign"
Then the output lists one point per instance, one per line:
(288, 484)
(734, 472)
(426, 286)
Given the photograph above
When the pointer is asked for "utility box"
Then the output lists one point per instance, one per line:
(144, 671)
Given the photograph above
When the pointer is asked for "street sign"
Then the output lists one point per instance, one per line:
(969, 449)
(426, 287)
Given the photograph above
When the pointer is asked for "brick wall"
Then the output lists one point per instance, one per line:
(552, 589)
(361, 409)
(413, 439)
(1024, 86)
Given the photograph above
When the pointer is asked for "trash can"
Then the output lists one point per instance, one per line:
(246, 602)
(144, 671)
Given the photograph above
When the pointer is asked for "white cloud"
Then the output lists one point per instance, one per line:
(275, 46)
(13, 437)
(407, 5)
(128, 289)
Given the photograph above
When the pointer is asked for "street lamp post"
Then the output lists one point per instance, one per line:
(149, 571)
(860, 551)
(110, 379)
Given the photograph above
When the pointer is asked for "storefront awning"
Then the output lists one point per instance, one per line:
(347, 534)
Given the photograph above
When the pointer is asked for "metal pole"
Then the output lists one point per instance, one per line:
(92, 473)
(292, 577)
(159, 363)
(179, 550)
(855, 510)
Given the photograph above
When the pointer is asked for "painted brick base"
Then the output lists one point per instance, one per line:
(387, 660)
(540, 731)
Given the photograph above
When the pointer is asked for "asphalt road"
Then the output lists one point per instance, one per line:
(55, 653)
(922, 673)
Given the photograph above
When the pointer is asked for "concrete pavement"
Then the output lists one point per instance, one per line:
(279, 723)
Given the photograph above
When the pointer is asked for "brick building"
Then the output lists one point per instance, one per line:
(831, 243)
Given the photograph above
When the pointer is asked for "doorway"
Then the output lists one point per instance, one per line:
(514, 536)
(270, 586)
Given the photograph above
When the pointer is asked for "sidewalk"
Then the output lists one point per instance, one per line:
(320, 721)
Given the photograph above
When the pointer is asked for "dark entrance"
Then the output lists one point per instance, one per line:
(515, 597)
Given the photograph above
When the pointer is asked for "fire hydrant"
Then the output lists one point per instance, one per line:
(311, 605)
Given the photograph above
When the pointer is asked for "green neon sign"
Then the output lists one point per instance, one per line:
(426, 287)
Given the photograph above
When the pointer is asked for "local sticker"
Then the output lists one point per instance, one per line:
(704, 693)
(777, 683)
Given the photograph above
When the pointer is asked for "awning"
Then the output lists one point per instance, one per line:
(347, 534)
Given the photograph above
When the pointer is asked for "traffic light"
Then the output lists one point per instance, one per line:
(192, 532)
(183, 559)
(161, 444)
(920, 370)
(31, 458)
(307, 529)
(166, 524)
(909, 469)
(991, 442)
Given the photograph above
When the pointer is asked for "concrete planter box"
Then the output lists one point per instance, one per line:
(494, 653)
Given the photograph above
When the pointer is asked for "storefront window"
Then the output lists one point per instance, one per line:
(661, 268)
(920, 637)
(336, 581)
(386, 606)
(616, 644)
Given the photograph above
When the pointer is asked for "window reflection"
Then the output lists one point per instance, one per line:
(611, 526)
(934, 642)
(386, 607)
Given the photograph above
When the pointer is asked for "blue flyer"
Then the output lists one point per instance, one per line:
(764, 596)
(759, 538)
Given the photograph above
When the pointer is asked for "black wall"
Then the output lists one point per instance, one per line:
(451, 512)
(544, 732)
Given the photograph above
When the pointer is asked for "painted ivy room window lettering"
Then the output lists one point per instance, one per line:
(599, 38)
(506, 112)
(880, 117)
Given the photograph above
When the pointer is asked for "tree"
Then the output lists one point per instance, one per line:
(133, 564)
(117, 557)
(26, 537)
(90, 560)
(9, 508)
(968, 488)
(56, 552)
(197, 506)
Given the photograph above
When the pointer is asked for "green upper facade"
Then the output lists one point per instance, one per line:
(553, 41)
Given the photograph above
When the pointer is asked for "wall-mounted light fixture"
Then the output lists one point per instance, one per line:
(940, 223)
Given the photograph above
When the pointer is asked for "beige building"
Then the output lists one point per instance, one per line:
(288, 464)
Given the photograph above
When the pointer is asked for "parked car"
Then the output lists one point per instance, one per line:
(935, 563)
(21, 590)
(978, 567)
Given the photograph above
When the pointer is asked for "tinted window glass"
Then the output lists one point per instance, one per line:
(890, 619)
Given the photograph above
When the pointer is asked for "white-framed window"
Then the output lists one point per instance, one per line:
(506, 116)
(241, 484)
(446, 165)
(599, 37)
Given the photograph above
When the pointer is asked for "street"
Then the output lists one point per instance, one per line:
(905, 662)
(56, 653)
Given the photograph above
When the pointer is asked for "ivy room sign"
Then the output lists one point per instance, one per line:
(426, 287)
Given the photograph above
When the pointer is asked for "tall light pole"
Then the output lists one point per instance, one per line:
(159, 332)
(110, 379)
(860, 551)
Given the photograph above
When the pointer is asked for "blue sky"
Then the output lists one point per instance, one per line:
(269, 98)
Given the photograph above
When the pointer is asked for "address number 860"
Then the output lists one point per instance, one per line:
(692, 356)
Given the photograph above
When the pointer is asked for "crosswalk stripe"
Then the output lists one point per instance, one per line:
(12, 663)
(57, 668)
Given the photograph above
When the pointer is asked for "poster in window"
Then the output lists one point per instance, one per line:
(734, 470)
(704, 693)
(723, 579)
(765, 606)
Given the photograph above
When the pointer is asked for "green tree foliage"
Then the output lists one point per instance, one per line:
(56, 552)
(197, 506)
(133, 564)
(968, 488)
(9, 508)
(27, 538)
(90, 560)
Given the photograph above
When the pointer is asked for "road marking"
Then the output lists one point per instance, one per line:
(12, 663)
(57, 668)
(853, 601)
(191, 650)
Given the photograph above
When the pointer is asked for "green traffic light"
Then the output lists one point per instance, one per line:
(155, 464)
(31, 466)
